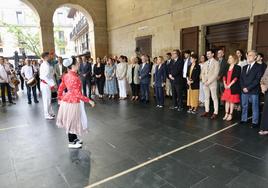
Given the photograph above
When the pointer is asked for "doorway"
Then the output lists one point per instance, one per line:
(228, 36)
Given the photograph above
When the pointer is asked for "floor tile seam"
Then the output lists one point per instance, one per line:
(197, 183)
(241, 152)
(159, 157)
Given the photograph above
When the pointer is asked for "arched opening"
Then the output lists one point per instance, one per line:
(73, 31)
(19, 30)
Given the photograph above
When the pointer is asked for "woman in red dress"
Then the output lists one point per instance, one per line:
(231, 94)
(72, 115)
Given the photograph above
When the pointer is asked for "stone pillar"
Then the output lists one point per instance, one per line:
(101, 41)
(47, 35)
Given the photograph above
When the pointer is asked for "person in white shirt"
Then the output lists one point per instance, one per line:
(28, 72)
(187, 63)
(47, 84)
(242, 58)
(4, 83)
(121, 74)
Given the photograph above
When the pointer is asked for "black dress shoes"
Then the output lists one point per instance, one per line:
(253, 126)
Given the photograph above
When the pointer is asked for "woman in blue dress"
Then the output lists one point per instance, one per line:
(110, 85)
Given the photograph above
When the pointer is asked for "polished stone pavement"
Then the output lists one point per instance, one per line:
(122, 135)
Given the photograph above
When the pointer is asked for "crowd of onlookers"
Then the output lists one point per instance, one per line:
(235, 81)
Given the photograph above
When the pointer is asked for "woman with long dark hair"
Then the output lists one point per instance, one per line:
(241, 58)
(72, 115)
(99, 75)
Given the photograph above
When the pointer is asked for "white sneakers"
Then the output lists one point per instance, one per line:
(76, 144)
(78, 141)
(49, 118)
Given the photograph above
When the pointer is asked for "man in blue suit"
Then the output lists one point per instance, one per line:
(85, 71)
(144, 76)
(160, 77)
(250, 85)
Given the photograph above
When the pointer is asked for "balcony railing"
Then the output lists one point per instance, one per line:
(78, 27)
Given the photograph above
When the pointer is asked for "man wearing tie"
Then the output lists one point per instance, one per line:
(144, 76)
(85, 71)
(250, 85)
(187, 63)
(209, 76)
(175, 74)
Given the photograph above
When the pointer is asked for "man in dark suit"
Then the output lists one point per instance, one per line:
(250, 85)
(175, 74)
(168, 84)
(85, 71)
(187, 63)
(223, 67)
(144, 76)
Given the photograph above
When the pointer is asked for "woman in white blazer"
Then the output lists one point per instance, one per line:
(133, 77)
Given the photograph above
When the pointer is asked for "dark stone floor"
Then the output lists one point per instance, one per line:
(124, 134)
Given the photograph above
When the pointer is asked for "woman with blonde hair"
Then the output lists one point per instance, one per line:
(133, 77)
(231, 94)
(159, 81)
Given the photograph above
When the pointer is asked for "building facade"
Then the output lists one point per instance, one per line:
(62, 28)
(17, 13)
(196, 25)
(81, 32)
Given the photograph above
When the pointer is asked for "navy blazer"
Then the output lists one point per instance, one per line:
(251, 81)
(85, 69)
(176, 70)
(160, 75)
(144, 73)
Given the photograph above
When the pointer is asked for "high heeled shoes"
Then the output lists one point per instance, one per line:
(225, 117)
(229, 118)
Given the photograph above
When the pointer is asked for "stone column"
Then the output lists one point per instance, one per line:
(101, 41)
(47, 35)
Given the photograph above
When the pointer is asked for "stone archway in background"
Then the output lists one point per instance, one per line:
(93, 9)
(91, 31)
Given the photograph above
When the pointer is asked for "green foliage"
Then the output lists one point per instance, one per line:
(59, 43)
(27, 40)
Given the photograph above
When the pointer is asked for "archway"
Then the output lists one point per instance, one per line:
(73, 31)
(20, 28)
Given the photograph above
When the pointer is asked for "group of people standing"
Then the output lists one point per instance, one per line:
(237, 81)
(234, 82)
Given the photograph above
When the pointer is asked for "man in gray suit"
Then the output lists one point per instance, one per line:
(59, 70)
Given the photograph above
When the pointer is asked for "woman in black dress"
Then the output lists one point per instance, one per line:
(99, 75)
